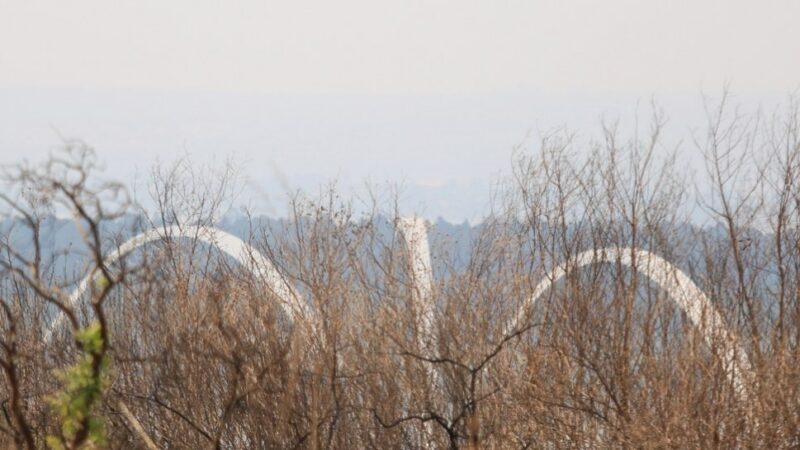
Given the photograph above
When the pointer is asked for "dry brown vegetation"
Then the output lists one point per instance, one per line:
(201, 355)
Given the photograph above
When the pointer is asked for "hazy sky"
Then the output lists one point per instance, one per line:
(427, 46)
(435, 93)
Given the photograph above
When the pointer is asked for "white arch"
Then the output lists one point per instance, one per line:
(244, 254)
(679, 287)
(416, 237)
(677, 284)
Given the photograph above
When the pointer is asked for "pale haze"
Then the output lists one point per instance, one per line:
(434, 94)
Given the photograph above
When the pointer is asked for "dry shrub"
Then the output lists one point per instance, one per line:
(203, 356)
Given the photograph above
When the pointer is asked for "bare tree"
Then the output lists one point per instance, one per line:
(184, 348)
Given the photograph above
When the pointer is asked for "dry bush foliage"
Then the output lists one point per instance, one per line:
(202, 355)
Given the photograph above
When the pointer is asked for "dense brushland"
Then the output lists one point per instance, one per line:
(178, 347)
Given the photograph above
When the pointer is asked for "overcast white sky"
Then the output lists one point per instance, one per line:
(362, 88)
(430, 46)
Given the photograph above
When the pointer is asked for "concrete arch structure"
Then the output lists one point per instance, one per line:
(680, 289)
(415, 236)
(416, 239)
(229, 244)
(677, 284)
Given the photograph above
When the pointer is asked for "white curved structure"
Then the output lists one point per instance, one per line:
(677, 284)
(416, 238)
(415, 235)
(244, 254)
(679, 288)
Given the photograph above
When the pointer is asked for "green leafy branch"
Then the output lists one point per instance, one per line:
(84, 384)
